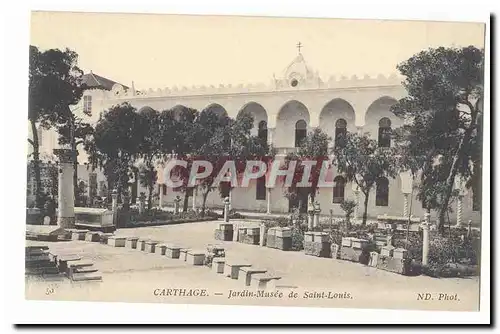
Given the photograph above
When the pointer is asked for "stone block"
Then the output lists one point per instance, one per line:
(359, 243)
(387, 251)
(399, 266)
(174, 252)
(320, 249)
(283, 232)
(308, 237)
(251, 239)
(160, 249)
(116, 241)
(225, 227)
(245, 274)
(78, 234)
(284, 244)
(253, 231)
(92, 236)
(271, 240)
(334, 251)
(232, 269)
(141, 244)
(350, 254)
(131, 242)
(346, 242)
(224, 235)
(263, 281)
(195, 258)
(104, 238)
(373, 259)
(218, 264)
(400, 253)
(149, 246)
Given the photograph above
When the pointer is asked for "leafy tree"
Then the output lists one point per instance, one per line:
(445, 88)
(361, 161)
(147, 178)
(55, 83)
(117, 139)
(313, 149)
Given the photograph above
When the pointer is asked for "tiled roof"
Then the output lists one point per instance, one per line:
(96, 81)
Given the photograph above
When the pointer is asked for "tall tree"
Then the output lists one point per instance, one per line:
(116, 143)
(444, 105)
(361, 161)
(55, 83)
(313, 150)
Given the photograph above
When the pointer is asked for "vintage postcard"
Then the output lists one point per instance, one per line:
(232, 160)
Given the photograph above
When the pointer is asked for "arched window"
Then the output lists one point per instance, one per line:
(384, 132)
(262, 134)
(260, 191)
(300, 132)
(338, 189)
(382, 196)
(340, 131)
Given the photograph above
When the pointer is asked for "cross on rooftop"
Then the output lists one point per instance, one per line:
(299, 46)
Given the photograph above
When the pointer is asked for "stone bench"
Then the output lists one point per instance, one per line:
(149, 246)
(141, 244)
(174, 252)
(218, 264)
(160, 249)
(263, 281)
(224, 232)
(232, 269)
(131, 242)
(195, 257)
(115, 241)
(245, 274)
(183, 253)
(93, 236)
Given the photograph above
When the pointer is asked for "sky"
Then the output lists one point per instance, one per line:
(158, 51)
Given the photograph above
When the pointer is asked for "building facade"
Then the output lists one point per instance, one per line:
(287, 107)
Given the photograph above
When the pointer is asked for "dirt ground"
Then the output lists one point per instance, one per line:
(134, 276)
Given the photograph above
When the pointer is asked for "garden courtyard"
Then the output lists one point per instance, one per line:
(130, 275)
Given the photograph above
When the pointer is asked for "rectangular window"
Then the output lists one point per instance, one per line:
(260, 191)
(87, 104)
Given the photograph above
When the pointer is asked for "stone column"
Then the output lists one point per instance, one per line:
(230, 199)
(226, 210)
(317, 211)
(405, 205)
(114, 206)
(92, 187)
(425, 241)
(263, 234)
(160, 196)
(176, 205)
(65, 195)
(195, 194)
(459, 210)
(142, 203)
(268, 201)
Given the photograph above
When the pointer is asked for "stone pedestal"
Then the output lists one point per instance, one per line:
(150, 246)
(310, 221)
(224, 232)
(116, 241)
(232, 270)
(173, 252)
(92, 236)
(195, 258)
(65, 194)
(268, 211)
(226, 209)
(249, 235)
(317, 244)
(218, 264)
(131, 242)
(279, 238)
(160, 249)
(317, 211)
(160, 197)
(263, 235)
(425, 241)
(246, 273)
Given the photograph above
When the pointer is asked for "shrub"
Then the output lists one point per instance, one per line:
(297, 239)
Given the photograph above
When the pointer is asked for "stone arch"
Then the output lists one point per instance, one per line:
(217, 109)
(288, 116)
(259, 114)
(379, 109)
(335, 110)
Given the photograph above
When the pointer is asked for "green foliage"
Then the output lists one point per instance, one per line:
(443, 137)
(361, 160)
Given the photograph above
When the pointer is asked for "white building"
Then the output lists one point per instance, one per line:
(296, 101)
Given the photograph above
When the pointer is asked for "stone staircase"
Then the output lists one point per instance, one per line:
(39, 263)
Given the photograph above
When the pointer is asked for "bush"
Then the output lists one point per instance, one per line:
(297, 239)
